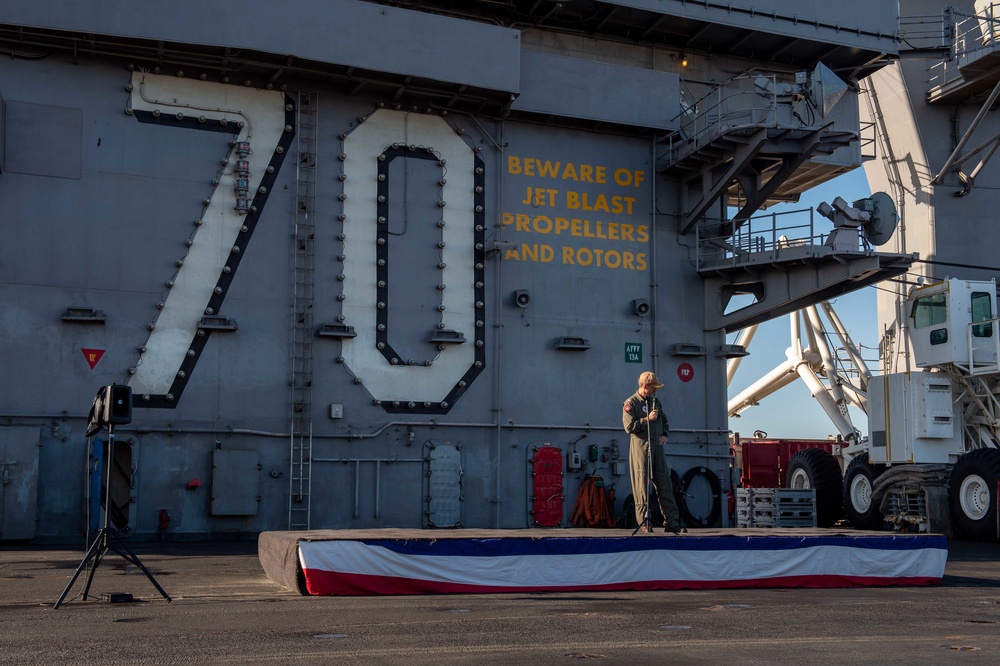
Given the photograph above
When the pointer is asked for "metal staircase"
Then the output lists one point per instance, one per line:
(304, 258)
(744, 140)
(982, 427)
(979, 375)
(748, 143)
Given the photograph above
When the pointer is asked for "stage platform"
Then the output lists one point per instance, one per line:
(480, 561)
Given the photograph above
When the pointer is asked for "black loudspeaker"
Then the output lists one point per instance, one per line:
(641, 306)
(118, 405)
(522, 298)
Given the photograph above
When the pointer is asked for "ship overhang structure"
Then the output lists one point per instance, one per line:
(790, 278)
(475, 68)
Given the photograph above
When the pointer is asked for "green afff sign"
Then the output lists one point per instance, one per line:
(633, 352)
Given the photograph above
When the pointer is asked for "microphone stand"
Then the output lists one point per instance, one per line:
(649, 470)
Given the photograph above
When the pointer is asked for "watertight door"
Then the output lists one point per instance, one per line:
(547, 486)
(18, 482)
(445, 487)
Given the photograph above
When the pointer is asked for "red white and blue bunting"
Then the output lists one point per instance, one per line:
(488, 565)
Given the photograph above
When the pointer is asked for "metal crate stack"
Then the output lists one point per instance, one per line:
(775, 507)
(744, 514)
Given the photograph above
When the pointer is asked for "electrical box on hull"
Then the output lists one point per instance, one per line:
(913, 418)
(235, 490)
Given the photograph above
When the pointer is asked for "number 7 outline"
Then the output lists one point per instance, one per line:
(182, 375)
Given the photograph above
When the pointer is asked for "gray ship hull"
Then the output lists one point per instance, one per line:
(341, 258)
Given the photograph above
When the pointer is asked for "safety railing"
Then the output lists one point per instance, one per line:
(970, 37)
(983, 340)
(868, 140)
(766, 238)
(708, 112)
(976, 32)
(942, 73)
(926, 32)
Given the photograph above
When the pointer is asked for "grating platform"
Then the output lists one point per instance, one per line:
(401, 561)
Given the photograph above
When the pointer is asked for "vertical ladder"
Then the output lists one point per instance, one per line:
(883, 145)
(304, 258)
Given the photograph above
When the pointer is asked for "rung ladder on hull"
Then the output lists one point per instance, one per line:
(300, 476)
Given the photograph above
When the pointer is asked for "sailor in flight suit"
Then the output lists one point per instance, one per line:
(642, 416)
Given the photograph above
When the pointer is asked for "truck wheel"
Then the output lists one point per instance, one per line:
(818, 469)
(972, 494)
(861, 508)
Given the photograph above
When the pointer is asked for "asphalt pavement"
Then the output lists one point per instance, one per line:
(224, 610)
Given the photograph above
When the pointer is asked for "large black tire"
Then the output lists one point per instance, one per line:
(675, 481)
(818, 469)
(701, 501)
(627, 519)
(655, 515)
(972, 495)
(859, 504)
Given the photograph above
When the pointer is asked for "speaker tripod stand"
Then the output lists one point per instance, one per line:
(107, 539)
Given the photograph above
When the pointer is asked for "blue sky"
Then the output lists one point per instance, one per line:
(791, 412)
